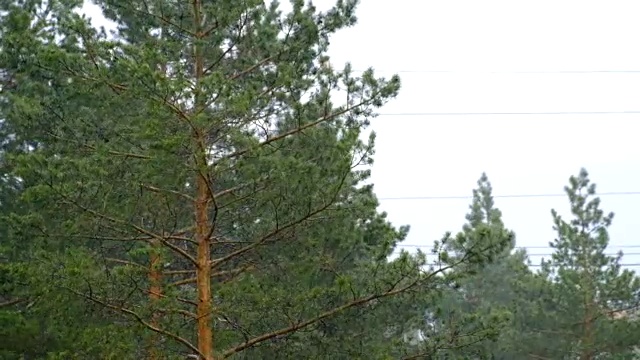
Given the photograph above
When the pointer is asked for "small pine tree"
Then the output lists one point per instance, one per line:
(591, 286)
(484, 237)
(474, 306)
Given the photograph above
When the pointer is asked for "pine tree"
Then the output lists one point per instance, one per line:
(472, 310)
(483, 221)
(590, 287)
(191, 177)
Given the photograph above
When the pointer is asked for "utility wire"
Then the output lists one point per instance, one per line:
(513, 113)
(614, 254)
(453, 197)
(630, 264)
(505, 72)
(527, 247)
(539, 265)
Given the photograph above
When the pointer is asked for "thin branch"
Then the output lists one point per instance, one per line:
(279, 229)
(137, 228)
(214, 274)
(265, 238)
(12, 302)
(538, 357)
(354, 303)
(179, 311)
(239, 187)
(209, 30)
(179, 272)
(294, 131)
(182, 300)
(251, 68)
(332, 312)
(139, 318)
(159, 190)
(163, 19)
(96, 237)
(125, 262)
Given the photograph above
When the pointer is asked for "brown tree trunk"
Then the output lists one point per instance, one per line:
(203, 199)
(203, 272)
(155, 292)
(589, 314)
(587, 339)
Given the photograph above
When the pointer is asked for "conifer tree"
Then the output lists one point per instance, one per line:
(471, 311)
(590, 288)
(191, 178)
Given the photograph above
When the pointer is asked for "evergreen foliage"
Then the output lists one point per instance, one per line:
(194, 184)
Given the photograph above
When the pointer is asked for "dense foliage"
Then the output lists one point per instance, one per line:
(191, 185)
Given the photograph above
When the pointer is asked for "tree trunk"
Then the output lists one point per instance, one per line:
(203, 198)
(155, 292)
(203, 271)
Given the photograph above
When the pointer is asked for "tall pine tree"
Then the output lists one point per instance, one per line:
(190, 177)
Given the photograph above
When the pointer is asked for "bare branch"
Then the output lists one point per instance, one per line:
(159, 190)
(214, 274)
(12, 302)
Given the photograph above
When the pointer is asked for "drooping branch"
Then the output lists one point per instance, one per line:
(278, 230)
(138, 318)
(291, 132)
(357, 302)
(139, 229)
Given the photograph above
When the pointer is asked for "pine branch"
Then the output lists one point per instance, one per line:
(301, 325)
(294, 131)
(138, 318)
(192, 280)
(279, 229)
(392, 291)
(140, 229)
(12, 302)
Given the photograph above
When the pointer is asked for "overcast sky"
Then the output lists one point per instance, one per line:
(502, 57)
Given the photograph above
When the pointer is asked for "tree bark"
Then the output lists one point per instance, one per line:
(155, 293)
(202, 203)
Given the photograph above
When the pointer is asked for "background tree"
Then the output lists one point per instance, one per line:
(471, 308)
(590, 287)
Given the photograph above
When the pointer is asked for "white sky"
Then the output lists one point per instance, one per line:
(502, 56)
(479, 43)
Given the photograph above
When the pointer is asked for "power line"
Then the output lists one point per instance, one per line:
(513, 113)
(630, 264)
(459, 197)
(549, 254)
(539, 265)
(528, 247)
(506, 72)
